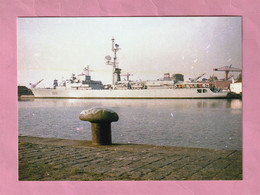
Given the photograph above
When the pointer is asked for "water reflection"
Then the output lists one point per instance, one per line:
(204, 123)
(162, 103)
(234, 104)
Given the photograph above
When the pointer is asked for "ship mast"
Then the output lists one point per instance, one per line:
(116, 71)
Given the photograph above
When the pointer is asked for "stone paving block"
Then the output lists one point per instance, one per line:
(189, 170)
(139, 174)
(183, 173)
(233, 170)
(235, 155)
(203, 161)
(165, 170)
(203, 175)
(219, 164)
(175, 176)
(157, 164)
(156, 175)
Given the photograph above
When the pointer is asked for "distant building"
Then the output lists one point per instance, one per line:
(166, 77)
(177, 77)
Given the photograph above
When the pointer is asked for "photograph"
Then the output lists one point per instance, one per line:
(129, 98)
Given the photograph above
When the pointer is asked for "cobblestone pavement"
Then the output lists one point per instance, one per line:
(48, 159)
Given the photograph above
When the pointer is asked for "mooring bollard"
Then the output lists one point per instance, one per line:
(100, 119)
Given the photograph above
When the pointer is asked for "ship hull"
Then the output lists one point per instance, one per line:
(127, 94)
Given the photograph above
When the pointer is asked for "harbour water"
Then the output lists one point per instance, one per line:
(200, 123)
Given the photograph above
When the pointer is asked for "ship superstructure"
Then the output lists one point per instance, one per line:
(79, 82)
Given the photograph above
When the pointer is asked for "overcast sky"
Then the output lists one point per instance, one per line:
(54, 48)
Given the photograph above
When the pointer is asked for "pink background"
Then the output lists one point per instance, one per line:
(11, 9)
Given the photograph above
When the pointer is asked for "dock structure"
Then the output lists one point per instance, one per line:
(50, 159)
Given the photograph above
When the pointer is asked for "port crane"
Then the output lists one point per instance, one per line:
(230, 76)
(197, 78)
(127, 75)
(34, 85)
(227, 69)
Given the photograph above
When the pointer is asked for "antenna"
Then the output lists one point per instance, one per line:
(108, 58)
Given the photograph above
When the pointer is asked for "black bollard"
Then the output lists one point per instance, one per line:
(100, 119)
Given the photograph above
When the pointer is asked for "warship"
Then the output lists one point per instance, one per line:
(81, 86)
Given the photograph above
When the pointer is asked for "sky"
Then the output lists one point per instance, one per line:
(55, 47)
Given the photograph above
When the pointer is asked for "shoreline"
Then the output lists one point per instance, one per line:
(51, 159)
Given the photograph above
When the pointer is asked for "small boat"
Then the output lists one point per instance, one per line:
(235, 90)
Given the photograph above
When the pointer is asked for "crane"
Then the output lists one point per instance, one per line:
(127, 76)
(197, 78)
(34, 85)
(227, 69)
